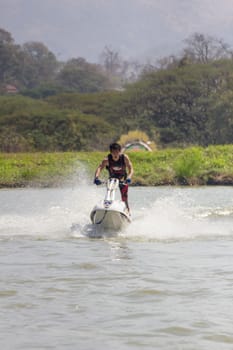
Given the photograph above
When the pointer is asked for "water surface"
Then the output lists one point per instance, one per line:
(164, 283)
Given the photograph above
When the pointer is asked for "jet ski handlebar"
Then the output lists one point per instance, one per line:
(113, 181)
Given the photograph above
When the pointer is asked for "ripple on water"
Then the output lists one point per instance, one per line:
(177, 330)
(7, 293)
(20, 306)
(148, 292)
(220, 338)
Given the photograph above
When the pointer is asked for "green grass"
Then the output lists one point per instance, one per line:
(190, 166)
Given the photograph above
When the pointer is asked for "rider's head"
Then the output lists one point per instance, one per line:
(115, 150)
(115, 147)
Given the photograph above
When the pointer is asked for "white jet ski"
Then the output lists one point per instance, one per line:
(110, 214)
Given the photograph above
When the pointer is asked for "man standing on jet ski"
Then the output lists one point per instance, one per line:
(116, 163)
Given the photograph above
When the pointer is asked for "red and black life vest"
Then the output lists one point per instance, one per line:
(117, 168)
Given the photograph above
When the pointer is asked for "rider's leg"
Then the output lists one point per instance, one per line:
(124, 194)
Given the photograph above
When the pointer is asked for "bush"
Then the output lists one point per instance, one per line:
(189, 163)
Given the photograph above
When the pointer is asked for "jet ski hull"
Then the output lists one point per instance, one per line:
(115, 217)
(110, 214)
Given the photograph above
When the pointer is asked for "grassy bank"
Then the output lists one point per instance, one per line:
(191, 166)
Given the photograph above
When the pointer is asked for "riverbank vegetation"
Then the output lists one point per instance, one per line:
(192, 166)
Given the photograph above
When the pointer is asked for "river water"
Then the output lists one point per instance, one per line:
(165, 283)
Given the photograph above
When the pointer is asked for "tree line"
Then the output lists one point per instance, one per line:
(178, 101)
(36, 72)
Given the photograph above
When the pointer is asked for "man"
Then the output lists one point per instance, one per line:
(117, 163)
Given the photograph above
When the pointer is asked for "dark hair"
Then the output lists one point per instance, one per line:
(115, 146)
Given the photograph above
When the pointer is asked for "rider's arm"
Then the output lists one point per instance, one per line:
(101, 167)
(129, 166)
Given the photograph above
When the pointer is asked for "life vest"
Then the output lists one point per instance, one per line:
(117, 168)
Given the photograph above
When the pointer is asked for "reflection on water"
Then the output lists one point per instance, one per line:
(119, 250)
(164, 283)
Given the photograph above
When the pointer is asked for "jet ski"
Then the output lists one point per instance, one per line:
(109, 213)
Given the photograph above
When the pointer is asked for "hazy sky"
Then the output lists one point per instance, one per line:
(135, 28)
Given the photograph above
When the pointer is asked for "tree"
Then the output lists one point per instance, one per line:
(111, 61)
(6, 37)
(9, 58)
(205, 49)
(221, 120)
(80, 76)
(119, 70)
(39, 64)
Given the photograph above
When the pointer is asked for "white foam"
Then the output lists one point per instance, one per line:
(173, 218)
(52, 219)
(51, 213)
